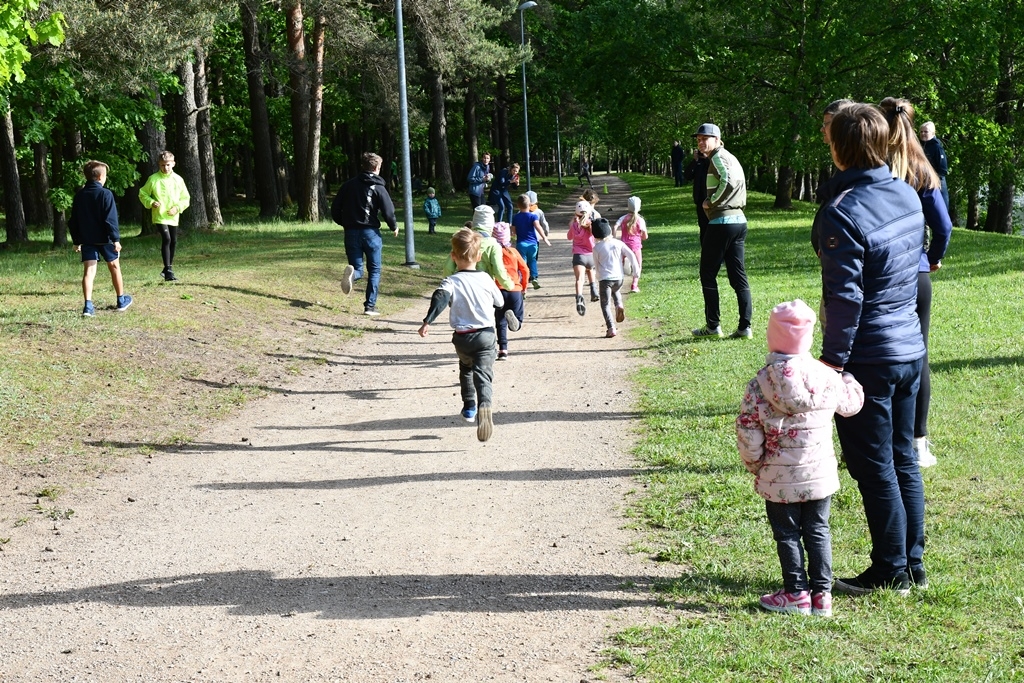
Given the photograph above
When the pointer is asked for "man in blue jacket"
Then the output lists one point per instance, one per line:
(357, 208)
(870, 241)
(96, 234)
(477, 179)
(936, 154)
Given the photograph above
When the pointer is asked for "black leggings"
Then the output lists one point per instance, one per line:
(168, 241)
(924, 394)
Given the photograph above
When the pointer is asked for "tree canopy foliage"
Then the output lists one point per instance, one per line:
(249, 88)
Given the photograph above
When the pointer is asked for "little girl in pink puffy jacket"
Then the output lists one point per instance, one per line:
(784, 435)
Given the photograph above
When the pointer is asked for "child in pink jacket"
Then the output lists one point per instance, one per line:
(784, 435)
(582, 252)
(633, 230)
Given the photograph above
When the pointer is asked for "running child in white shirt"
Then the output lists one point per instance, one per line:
(609, 253)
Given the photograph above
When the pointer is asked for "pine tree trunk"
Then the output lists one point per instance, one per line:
(187, 157)
(470, 126)
(40, 151)
(60, 224)
(501, 122)
(266, 184)
(300, 96)
(439, 135)
(153, 141)
(973, 209)
(1000, 206)
(310, 171)
(205, 139)
(14, 212)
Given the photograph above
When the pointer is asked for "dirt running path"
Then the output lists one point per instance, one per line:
(351, 527)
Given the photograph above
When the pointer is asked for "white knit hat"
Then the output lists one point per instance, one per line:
(532, 195)
(483, 218)
(633, 204)
(584, 207)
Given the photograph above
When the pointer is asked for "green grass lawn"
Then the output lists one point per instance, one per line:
(256, 304)
(703, 515)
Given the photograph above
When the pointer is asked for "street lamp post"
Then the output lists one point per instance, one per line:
(526, 119)
(403, 107)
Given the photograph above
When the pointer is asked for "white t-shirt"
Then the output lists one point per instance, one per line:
(608, 256)
(474, 297)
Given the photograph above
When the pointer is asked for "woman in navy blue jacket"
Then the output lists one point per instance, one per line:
(871, 237)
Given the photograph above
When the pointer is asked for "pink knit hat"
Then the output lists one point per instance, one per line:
(502, 234)
(791, 328)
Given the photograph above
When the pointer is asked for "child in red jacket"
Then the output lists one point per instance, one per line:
(510, 315)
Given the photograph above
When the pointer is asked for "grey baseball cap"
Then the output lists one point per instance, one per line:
(709, 129)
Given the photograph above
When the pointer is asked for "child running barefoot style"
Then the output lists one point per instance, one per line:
(609, 253)
(527, 231)
(582, 253)
(510, 315)
(473, 296)
(633, 229)
(784, 435)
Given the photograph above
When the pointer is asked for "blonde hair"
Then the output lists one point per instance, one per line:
(166, 156)
(906, 156)
(466, 245)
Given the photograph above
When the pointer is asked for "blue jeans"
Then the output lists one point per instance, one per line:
(528, 250)
(878, 446)
(514, 303)
(808, 521)
(365, 243)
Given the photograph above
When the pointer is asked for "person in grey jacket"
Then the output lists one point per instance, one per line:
(870, 243)
(725, 237)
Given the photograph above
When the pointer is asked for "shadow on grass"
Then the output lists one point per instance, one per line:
(375, 596)
(975, 363)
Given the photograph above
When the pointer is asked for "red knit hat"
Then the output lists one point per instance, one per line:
(791, 328)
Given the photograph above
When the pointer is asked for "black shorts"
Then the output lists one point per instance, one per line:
(585, 260)
(93, 252)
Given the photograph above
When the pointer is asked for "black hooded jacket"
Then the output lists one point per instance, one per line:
(360, 201)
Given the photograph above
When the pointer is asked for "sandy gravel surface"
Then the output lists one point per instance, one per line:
(350, 527)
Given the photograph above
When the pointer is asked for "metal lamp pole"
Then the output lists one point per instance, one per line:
(526, 119)
(403, 106)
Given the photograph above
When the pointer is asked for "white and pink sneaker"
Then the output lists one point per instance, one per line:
(788, 603)
(821, 604)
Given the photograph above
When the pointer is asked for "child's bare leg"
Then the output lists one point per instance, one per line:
(88, 277)
(578, 272)
(115, 275)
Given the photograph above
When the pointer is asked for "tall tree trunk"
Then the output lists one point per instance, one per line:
(310, 171)
(470, 127)
(784, 182)
(1000, 206)
(153, 141)
(973, 209)
(14, 212)
(187, 156)
(205, 139)
(501, 121)
(266, 183)
(60, 225)
(439, 135)
(1000, 184)
(300, 95)
(40, 152)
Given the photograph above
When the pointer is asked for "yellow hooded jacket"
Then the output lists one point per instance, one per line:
(168, 189)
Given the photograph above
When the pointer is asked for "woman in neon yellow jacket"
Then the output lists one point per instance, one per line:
(166, 196)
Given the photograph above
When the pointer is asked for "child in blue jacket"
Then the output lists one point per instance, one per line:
(432, 208)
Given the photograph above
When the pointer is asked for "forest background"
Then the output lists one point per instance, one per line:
(268, 104)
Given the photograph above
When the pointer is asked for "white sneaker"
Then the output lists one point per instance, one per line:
(924, 453)
(346, 279)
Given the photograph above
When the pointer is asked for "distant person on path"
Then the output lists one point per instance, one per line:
(490, 251)
(511, 314)
(936, 154)
(166, 196)
(432, 208)
(584, 172)
(633, 229)
(582, 253)
(473, 296)
(477, 178)
(357, 208)
(725, 236)
(609, 254)
(784, 435)
(697, 171)
(540, 213)
(871, 234)
(677, 163)
(907, 162)
(499, 196)
(96, 234)
(528, 234)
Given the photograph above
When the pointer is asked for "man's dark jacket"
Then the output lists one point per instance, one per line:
(936, 154)
(360, 200)
(94, 216)
(697, 171)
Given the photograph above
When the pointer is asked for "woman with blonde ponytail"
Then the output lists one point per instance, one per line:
(908, 162)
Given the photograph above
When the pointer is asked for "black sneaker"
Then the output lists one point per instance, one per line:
(918, 578)
(169, 276)
(865, 584)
